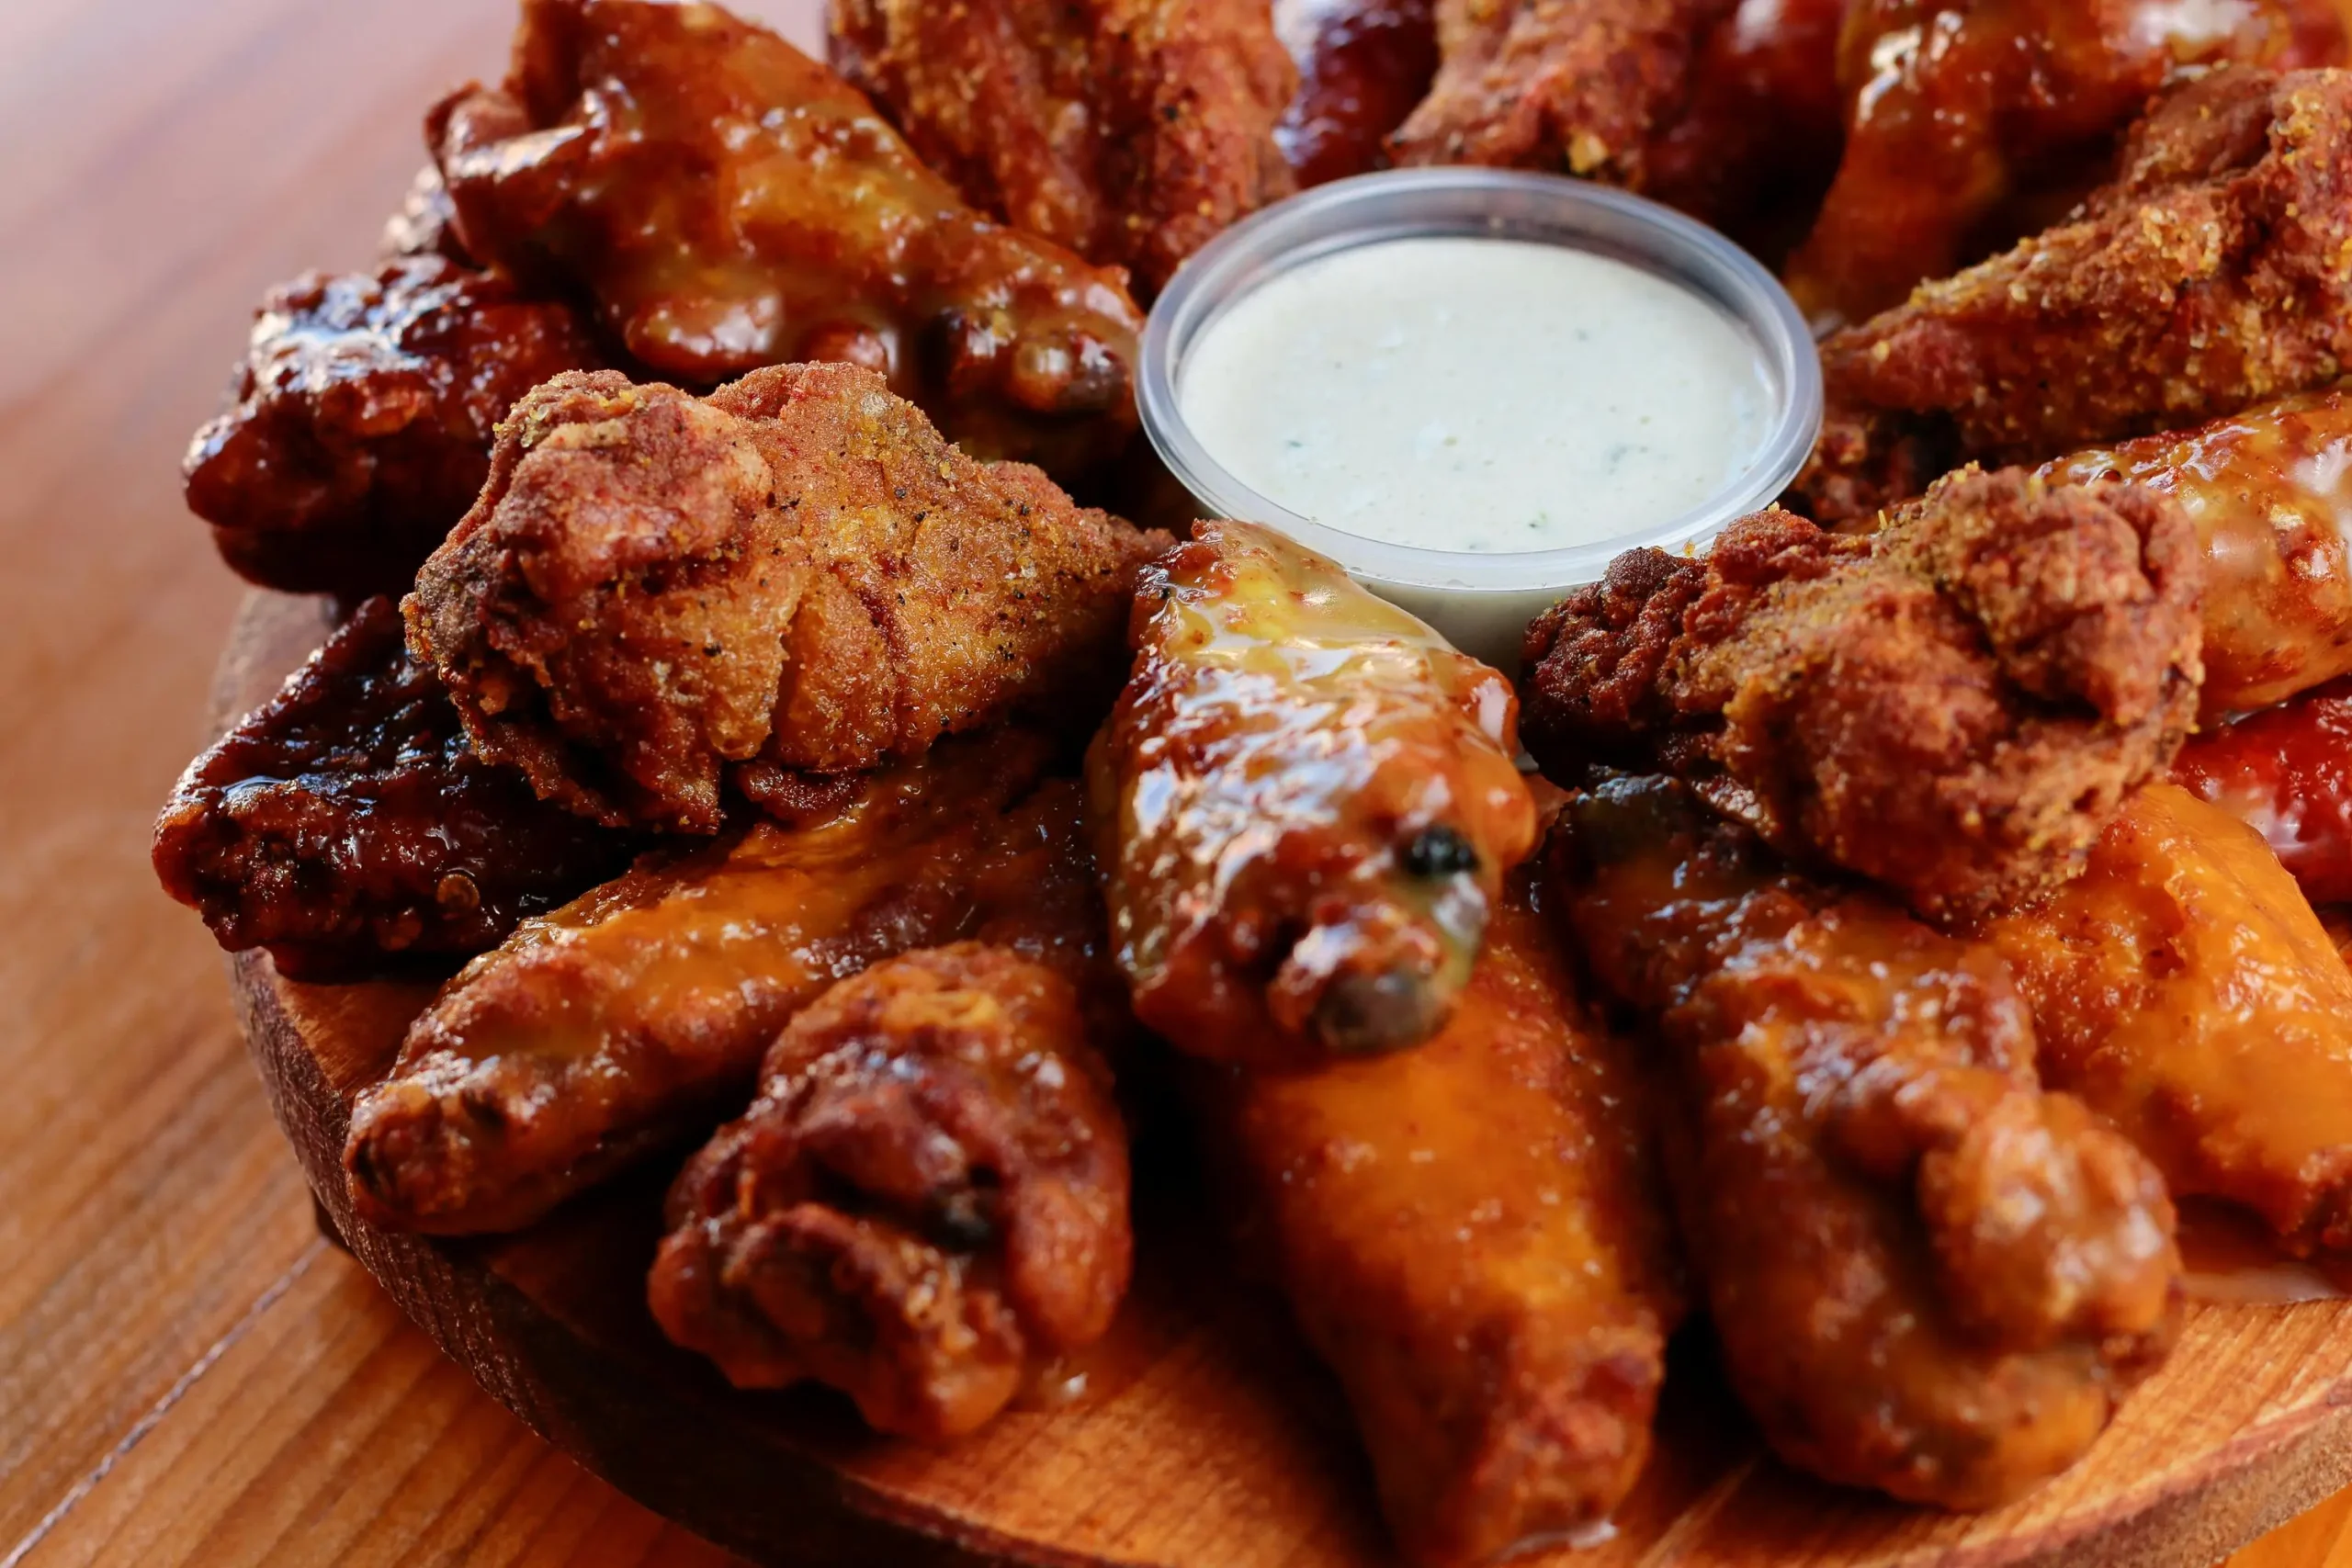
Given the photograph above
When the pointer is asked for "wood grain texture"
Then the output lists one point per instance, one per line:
(185, 1375)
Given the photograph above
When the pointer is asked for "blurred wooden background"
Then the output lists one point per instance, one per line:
(187, 1375)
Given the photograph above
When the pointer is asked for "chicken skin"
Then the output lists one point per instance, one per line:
(2208, 276)
(1927, 1275)
(1362, 67)
(346, 824)
(1307, 801)
(2286, 773)
(2184, 989)
(1954, 707)
(798, 573)
(361, 421)
(1131, 131)
(927, 1203)
(728, 203)
(1471, 1234)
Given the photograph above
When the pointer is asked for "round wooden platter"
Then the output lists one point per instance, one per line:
(1206, 1438)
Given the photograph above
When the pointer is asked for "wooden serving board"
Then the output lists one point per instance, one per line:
(1206, 1438)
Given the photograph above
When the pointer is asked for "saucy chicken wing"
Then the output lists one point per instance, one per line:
(1471, 1235)
(346, 823)
(927, 1203)
(1362, 66)
(728, 203)
(2208, 276)
(797, 573)
(2184, 989)
(1927, 1275)
(1131, 131)
(2286, 773)
(615, 1023)
(361, 421)
(1954, 707)
(1308, 802)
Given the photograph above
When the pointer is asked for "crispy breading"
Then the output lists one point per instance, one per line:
(1955, 706)
(798, 571)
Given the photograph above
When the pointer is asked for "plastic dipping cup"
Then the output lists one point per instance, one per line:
(1482, 600)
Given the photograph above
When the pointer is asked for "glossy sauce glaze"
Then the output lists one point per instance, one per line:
(2286, 773)
(1362, 65)
(1477, 394)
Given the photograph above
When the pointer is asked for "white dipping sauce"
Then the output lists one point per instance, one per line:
(1477, 394)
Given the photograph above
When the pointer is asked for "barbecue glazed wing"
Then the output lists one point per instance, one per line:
(1472, 1235)
(1578, 87)
(622, 1018)
(2184, 989)
(2286, 773)
(2208, 276)
(1958, 105)
(1308, 802)
(729, 203)
(346, 823)
(1755, 147)
(1362, 66)
(1131, 131)
(798, 573)
(1927, 1275)
(927, 1203)
(361, 421)
(1954, 707)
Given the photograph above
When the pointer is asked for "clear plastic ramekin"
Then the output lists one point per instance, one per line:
(1481, 601)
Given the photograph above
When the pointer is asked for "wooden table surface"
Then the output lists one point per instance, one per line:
(188, 1374)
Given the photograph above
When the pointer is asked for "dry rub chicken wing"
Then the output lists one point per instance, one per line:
(345, 822)
(2213, 273)
(927, 1203)
(797, 573)
(1308, 802)
(1927, 1275)
(1955, 706)
(1130, 130)
(728, 203)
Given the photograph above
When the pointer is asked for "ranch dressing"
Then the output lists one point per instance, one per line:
(1465, 393)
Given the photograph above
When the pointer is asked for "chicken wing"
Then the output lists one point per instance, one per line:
(926, 1203)
(1131, 131)
(1362, 66)
(361, 421)
(346, 823)
(2208, 276)
(2184, 989)
(1308, 802)
(1927, 1275)
(1954, 706)
(729, 203)
(798, 573)
(622, 1018)
(1471, 1234)
(2286, 773)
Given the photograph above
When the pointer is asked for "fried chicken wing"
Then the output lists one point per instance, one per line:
(2286, 773)
(927, 1201)
(1579, 87)
(729, 203)
(426, 223)
(1471, 1234)
(1362, 67)
(798, 573)
(360, 424)
(1957, 105)
(1954, 706)
(618, 1021)
(1131, 131)
(2184, 989)
(345, 822)
(1927, 1275)
(2211, 275)
(1308, 802)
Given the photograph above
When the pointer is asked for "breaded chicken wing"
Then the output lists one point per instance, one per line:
(798, 573)
(728, 203)
(2286, 773)
(1131, 131)
(1927, 1275)
(346, 823)
(2211, 275)
(1362, 67)
(361, 421)
(1954, 706)
(927, 1203)
(1307, 801)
